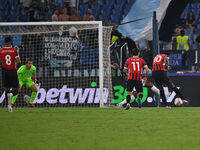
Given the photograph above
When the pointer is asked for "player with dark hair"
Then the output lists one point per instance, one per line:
(25, 74)
(159, 74)
(9, 57)
(134, 67)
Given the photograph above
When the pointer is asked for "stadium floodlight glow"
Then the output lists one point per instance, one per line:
(72, 61)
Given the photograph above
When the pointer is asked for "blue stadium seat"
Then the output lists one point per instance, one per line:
(128, 6)
(14, 2)
(197, 23)
(24, 15)
(4, 10)
(115, 19)
(96, 10)
(186, 11)
(14, 12)
(121, 9)
(106, 10)
(83, 9)
(4, 2)
(110, 2)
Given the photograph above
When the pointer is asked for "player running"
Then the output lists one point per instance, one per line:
(134, 66)
(148, 84)
(9, 57)
(159, 74)
(25, 73)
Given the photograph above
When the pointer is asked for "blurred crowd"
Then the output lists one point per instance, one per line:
(186, 34)
(53, 10)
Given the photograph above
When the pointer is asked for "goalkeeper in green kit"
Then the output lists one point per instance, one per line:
(27, 77)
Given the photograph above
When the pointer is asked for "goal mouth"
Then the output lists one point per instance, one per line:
(72, 61)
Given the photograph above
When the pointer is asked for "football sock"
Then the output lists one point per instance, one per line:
(140, 96)
(155, 90)
(7, 95)
(33, 95)
(162, 95)
(128, 98)
(123, 102)
(139, 100)
(15, 92)
(14, 99)
(178, 92)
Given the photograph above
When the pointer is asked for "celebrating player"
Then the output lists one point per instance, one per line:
(25, 73)
(134, 66)
(9, 57)
(159, 74)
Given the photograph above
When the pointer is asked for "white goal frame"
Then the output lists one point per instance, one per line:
(100, 38)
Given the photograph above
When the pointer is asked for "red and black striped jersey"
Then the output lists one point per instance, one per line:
(7, 56)
(159, 62)
(135, 65)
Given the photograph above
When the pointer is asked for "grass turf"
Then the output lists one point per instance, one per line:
(100, 129)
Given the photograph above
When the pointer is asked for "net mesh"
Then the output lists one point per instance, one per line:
(67, 61)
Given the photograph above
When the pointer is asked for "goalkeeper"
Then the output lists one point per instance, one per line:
(25, 73)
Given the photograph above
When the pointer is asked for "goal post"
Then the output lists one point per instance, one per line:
(72, 61)
(100, 34)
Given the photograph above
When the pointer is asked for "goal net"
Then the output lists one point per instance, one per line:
(72, 61)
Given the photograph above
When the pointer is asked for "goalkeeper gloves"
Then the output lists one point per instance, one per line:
(36, 82)
(116, 66)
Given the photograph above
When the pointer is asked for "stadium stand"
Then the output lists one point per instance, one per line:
(112, 11)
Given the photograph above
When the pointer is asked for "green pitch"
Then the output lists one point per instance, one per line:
(100, 129)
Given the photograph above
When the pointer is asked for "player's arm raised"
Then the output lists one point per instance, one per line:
(147, 73)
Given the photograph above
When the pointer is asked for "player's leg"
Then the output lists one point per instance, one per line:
(122, 103)
(33, 87)
(139, 89)
(140, 94)
(15, 96)
(154, 89)
(158, 78)
(133, 96)
(7, 83)
(15, 86)
(15, 92)
(162, 95)
(170, 84)
(130, 86)
(9, 98)
(128, 98)
(34, 93)
(5, 80)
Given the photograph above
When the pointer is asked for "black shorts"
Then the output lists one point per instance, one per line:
(134, 83)
(161, 78)
(10, 78)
